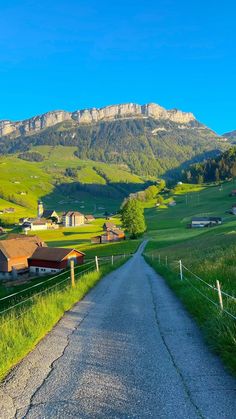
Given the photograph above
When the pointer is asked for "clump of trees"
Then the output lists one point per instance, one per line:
(213, 170)
(150, 193)
(71, 172)
(132, 217)
(31, 156)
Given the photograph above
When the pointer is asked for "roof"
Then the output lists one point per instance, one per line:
(109, 225)
(117, 231)
(18, 247)
(55, 254)
(89, 216)
(48, 213)
(33, 238)
(70, 213)
(40, 221)
(206, 219)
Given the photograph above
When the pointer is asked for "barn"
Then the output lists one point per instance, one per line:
(49, 260)
(14, 254)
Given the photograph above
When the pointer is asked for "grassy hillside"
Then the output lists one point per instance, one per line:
(147, 146)
(92, 187)
(209, 253)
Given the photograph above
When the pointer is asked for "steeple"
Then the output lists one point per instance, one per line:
(40, 209)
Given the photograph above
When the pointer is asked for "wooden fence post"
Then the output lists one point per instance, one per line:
(97, 265)
(166, 260)
(180, 270)
(219, 295)
(159, 259)
(72, 273)
(112, 260)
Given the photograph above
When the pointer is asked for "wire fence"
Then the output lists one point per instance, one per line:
(25, 297)
(221, 299)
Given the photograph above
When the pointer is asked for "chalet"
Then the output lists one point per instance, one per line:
(14, 254)
(89, 218)
(109, 236)
(108, 226)
(49, 260)
(199, 222)
(73, 219)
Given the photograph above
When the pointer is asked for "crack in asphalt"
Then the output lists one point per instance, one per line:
(186, 388)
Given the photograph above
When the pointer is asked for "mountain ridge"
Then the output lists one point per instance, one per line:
(93, 115)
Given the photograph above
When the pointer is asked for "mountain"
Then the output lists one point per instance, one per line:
(89, 116)
(148, 139)
(222, 167)
(231, 136)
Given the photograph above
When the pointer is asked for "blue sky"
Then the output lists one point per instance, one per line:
(75, 54)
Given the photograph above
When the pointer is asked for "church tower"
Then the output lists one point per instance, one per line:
(40, 209)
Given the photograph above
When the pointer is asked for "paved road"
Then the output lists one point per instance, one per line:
(128, 350)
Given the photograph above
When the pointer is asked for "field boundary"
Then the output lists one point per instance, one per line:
(220, 303)
(93, 264)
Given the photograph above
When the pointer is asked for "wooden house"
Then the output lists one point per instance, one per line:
(108, 226)
(89, 218)
(14, 254)
(109, 236)
(49, 260)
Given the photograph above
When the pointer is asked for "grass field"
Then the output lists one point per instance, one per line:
(209, 253)
(24, 182)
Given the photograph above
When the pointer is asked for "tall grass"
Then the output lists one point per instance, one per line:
(211, 261)
(22, 329)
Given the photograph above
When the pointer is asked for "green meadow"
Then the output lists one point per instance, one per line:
(208, 253)
(23, 183)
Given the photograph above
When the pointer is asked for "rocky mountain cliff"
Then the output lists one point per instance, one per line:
(93, 115)
(149, 139)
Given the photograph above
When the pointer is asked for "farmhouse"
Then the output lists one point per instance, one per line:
(49, 260)
(108, 226)
(109, 236)
(73, 219)
(89, 218)
(199, 222)
(14, 254)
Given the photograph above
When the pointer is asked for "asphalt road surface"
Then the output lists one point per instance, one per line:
(128, 350)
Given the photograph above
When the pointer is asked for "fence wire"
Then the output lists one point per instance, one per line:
(91, 266)
(198, 278)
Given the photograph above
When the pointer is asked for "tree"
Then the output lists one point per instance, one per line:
(151, 192)
(132, 217)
